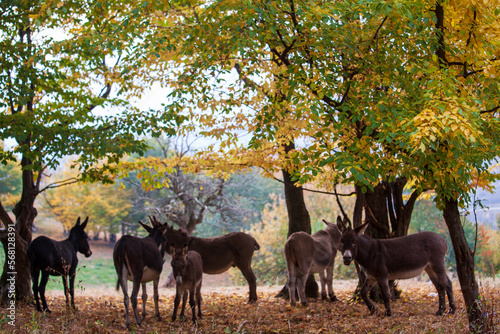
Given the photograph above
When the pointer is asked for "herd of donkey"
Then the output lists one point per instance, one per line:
(140, 260)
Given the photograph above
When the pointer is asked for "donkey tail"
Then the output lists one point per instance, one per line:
(120, 259)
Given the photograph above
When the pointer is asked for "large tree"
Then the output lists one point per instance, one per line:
(387, 94)
(64, 68)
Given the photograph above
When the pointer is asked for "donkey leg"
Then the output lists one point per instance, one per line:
(247, 272)
(367, 285)
(386, 295)
(41, 290)
(184, 302)
(198, 299)
(126, 300)
(301, 287)
(133, 297)
(439, 284)
(440, 279)
(192, 303)
(177, 300)
(72, 289)
(66, 289)
(34, 279)
(329, 283)
(144, 299)
(155, 297)
(322, 280)
(449, 292)
(292, 288)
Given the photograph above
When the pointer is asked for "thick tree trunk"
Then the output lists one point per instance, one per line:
(376, 212)
(25, 213)
(16, 269)
(465, 266)
(357, 217)
(298, 216)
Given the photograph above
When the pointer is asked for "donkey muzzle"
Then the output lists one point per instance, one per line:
(178, 279)
(347, 256)
(88, 253)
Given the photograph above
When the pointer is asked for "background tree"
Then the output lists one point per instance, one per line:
(60, 61)
(106, 205)
(187, 199)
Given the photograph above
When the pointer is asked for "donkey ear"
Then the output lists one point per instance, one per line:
(361, 229)
(78, 222)
(327, 223)
(154, 221)
(163, 229)
(84, 224)
(185, 249)
(146, 227)
(340, 224)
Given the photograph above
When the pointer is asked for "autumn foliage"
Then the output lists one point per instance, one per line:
(225, 310)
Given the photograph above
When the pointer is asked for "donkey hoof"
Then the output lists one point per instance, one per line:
(388, 313)
(334, 299)
(304, 303)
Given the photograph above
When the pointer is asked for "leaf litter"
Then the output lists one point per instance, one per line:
(227, 311)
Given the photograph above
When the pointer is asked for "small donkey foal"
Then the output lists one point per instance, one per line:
(187, 267)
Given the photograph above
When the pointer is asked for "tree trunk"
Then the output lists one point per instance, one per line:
(16, 269)
(25, 213)
(376, 212)
(298, 216)
(357, 217)
(465, 266)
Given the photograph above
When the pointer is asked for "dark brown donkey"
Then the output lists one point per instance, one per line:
(140, 260)
(397, 258)
(188, 272)
(234, 249)
(309, 254)
(57, 258)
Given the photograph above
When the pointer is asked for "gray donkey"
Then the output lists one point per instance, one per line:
(309, 254)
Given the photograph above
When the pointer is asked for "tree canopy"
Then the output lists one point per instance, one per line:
(345, 91)
(374, 90)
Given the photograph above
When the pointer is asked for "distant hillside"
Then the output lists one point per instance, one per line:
(491, 202)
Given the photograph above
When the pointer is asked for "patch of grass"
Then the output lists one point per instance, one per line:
(97, 270)
(90, 272)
